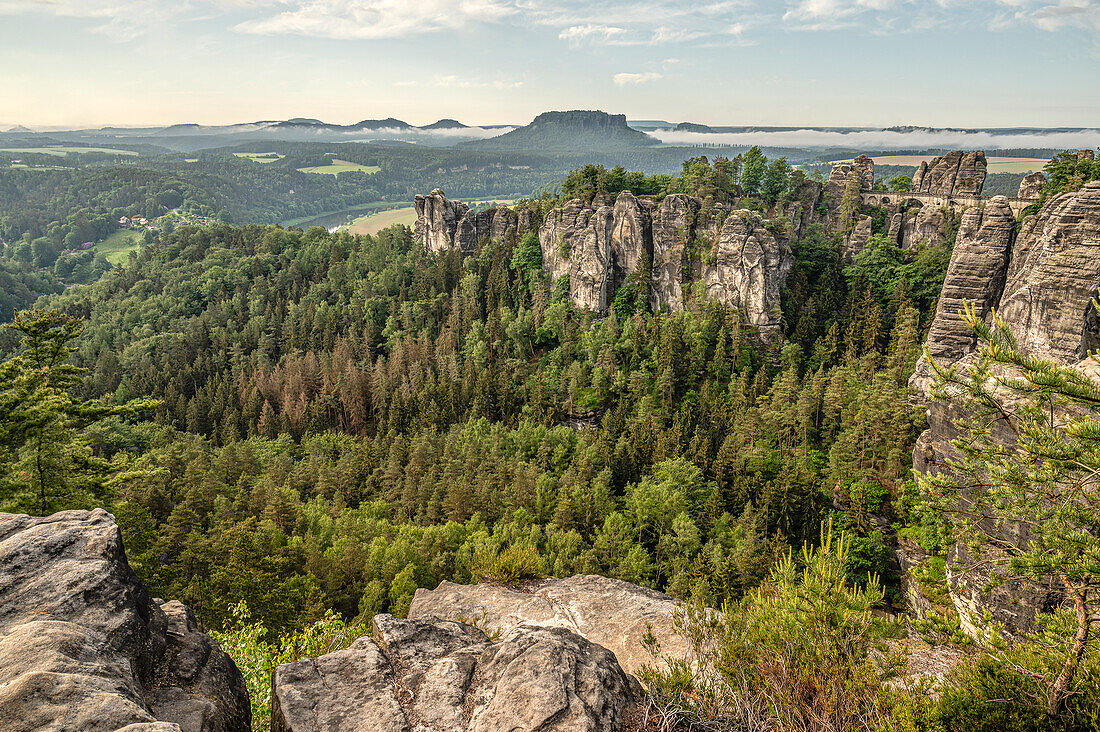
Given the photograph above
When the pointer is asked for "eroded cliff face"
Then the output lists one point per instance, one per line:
(600, 246)
(957, 173)
(673, 232)
(924, 224)
(443, 225)
(1032, 186)
(750, 267)
(1053, 277)
(576, 242)
(437, 220)
(83, 646)
(976, 274)
(1041, 282)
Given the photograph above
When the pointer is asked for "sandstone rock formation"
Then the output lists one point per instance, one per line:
(862, 166)
(858, 239)
(1054, 275)
(957, 173)
(437, 220)
(612, 613)
(1032, 186)
(599, 246)
(84, 647)
(751, 264)
(976, 274)
(576, 241)
(1086, 156)
(1041, 282)
(673, 232)
(449, 676)
(923, 224)
(442, 225)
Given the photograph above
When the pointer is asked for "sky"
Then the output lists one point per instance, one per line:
(959, 63)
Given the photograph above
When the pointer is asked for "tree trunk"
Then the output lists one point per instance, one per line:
(1060, 690)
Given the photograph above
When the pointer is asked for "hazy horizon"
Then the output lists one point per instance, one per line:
(867, 63)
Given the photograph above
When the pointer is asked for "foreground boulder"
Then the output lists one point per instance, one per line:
(615, 614)
(438, 675)
(84, 647)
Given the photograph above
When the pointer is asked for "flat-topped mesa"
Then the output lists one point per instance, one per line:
(1041, 282)
(957, 173)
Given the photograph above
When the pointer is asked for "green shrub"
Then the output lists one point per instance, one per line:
(510, 567)
(796, 654)
(246, 643)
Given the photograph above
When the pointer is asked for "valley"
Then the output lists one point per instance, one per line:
(530, 366)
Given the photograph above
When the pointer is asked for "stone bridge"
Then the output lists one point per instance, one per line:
(954, 204)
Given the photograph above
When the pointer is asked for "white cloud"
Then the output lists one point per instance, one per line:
(888, 140)
(831, 14)
(629, 79)
(374, 19)
(1078, 13)
(604, 35)
(122, 19)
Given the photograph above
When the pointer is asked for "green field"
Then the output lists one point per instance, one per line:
(268, 157)
(117, 246)
(63, 151)
(373, 223)
(338, 166)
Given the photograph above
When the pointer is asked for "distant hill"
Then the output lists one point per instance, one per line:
(574, 130)
(383, 124)
(693, 127)
(445, 124)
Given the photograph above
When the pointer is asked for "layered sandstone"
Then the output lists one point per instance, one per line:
(956, 173)
(1031, 187)
(751, 263)
(1041, 282)
(616, 615)
(83, 646)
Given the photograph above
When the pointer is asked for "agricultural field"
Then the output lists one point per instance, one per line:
(117, 246)
(337, 166)
(267, 157)
(375, 222)
(61, 152)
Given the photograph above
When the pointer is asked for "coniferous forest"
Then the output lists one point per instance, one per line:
(296, 429)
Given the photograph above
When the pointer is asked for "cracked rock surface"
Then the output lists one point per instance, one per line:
(615, 614)
(428, 674)
(84, 647)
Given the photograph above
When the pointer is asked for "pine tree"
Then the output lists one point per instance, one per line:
(45, 464)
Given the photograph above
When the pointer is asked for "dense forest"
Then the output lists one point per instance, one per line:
(326, 398)
(302, 427)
